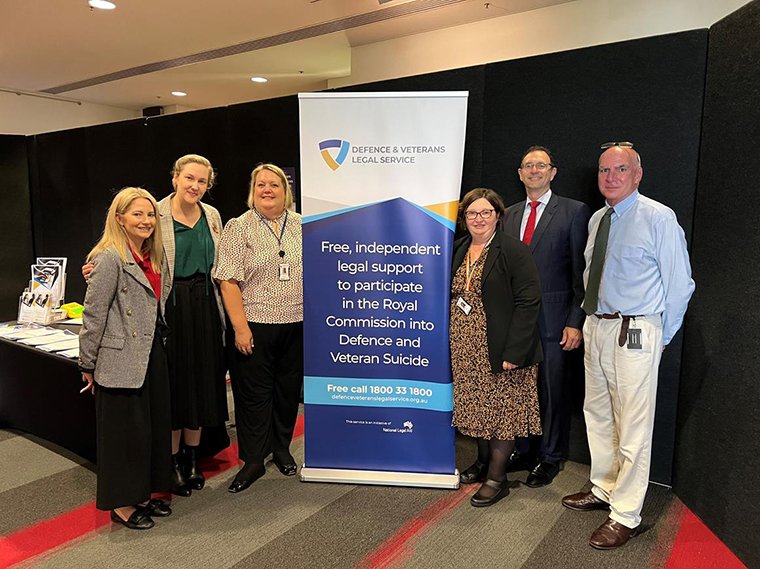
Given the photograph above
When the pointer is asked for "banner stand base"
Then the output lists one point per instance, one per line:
(379, 477)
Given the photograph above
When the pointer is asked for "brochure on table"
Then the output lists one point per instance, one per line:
(41, 301)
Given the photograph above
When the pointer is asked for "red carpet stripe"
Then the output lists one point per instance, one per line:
(55, 532)
(399, 545)
(696, 547)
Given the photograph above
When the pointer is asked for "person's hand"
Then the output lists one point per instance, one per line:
(86, 271)
(571, 338)
(507, 366)
(244, 341)
(88, 377)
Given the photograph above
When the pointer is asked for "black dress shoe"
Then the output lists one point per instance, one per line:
(179, 483)
(157, 508)
(473, 474)
(518, 462)
(138, 520)
(285, 463)
(542, 475)
(193, 475)
(245, 477)
(502, 489)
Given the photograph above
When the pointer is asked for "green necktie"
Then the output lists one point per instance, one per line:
(591, 300)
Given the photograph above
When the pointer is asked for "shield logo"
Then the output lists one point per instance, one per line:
(337, 147)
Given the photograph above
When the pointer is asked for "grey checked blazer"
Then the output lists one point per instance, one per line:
(119, 321)
(167, 235)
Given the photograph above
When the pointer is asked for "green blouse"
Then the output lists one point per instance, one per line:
(194, 249)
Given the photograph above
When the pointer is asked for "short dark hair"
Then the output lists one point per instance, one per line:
(537, 148)
(473, 195)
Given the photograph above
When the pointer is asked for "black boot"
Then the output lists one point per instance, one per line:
(179, 484)
(193, 474)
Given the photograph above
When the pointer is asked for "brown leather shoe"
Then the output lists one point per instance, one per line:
(584, 502)
(611, 535)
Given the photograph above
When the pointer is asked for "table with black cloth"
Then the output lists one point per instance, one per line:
(39, 395)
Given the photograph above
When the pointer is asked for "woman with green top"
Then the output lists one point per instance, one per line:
(195, 316)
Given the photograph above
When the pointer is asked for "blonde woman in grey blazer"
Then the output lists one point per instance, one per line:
(122, 359)
(195, 318)
(195, 315)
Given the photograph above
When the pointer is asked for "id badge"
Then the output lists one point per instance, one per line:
(634, 339)
(284, 271)
(463, 306)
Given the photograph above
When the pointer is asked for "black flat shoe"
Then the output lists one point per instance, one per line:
(157, 508)
(244, 479)
(473, 474)
(502, 489)
(138, 520)
(518, 462)
(285, 463)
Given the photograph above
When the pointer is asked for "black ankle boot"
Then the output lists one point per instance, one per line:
(179, 484)
(193, 474)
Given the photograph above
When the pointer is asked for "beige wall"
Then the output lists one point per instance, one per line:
(562, 27)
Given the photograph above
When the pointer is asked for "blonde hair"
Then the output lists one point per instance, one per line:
(194, 159)
(283, 178)
(115, 236)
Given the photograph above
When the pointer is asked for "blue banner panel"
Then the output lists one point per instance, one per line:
(376, 306)
(367, 438)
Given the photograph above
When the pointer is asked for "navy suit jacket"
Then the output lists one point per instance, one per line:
(557, 246)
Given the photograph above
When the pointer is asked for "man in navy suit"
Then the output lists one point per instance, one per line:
(556, 230)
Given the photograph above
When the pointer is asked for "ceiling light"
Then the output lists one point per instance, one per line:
(259, 79)
(101, 4)
(179, 93)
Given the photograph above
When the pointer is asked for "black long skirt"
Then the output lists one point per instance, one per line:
(196, 356)
(134, 437)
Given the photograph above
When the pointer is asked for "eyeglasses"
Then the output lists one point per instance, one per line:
(537, 165)
(472, 215)
(623, 144)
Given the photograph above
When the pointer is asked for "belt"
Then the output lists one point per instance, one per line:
(626, 323)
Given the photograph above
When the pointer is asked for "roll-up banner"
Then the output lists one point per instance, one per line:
(380, 182)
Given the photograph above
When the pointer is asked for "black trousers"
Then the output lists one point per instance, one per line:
(134, 437)
(267, 386)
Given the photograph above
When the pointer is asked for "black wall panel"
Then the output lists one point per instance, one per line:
(61, 204)
(17, 251)
(718, 449)
(647, 91)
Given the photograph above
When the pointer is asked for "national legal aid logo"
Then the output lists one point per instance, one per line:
(334, 152)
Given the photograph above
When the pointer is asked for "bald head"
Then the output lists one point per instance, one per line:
(619, 173)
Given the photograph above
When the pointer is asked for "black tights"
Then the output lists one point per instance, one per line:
(495, 453)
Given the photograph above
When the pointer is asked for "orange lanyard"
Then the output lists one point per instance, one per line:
(470, 267)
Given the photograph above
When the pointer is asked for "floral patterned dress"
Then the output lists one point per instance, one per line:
(486, 404)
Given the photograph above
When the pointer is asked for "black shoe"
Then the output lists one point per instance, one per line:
(245, 477)
(502, 489)
(138, 520)
(157, 508)
(285, 462)
(542, 475)
(518, 462)
(179, 484)
(193, 475)
(473, 474)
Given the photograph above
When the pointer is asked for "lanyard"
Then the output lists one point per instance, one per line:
(269, 227)
(470, 267)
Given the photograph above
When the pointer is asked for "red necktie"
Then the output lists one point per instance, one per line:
(530, 227)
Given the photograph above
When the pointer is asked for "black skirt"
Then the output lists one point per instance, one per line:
(196, 357)
(134, 437)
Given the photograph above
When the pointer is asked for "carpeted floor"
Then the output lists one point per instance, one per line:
(48, 519)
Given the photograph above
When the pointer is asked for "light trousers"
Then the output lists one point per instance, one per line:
(621, 393)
